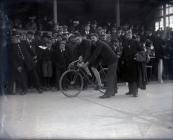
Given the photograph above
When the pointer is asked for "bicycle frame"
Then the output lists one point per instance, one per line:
(77, 72)
(73, 66)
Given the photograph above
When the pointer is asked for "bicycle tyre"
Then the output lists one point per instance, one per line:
(66, 88)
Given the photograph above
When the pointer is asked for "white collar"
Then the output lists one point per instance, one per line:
(42, 47)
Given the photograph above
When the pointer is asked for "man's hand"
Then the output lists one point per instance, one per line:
(80, 64)
(19, 69)
(80, 58)
(35, 59)
(85, 64)
(71, 65)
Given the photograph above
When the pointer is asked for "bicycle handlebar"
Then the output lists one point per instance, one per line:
(73, 63)
(76, 61)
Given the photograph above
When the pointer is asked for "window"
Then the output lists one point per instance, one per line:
(167, 22)
(161, 23)
(169, 17)
(161, 12)
(169, 5)
(157, 26)
(171, 10)
(167, 11)
(171, 21)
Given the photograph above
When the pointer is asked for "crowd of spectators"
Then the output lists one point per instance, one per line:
(45, 37)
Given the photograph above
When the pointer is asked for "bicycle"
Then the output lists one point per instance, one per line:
(73, 79)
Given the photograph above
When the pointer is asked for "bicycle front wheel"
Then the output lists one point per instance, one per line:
(71, 83)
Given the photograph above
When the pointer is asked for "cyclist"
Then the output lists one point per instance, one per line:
(83, 51)
(103, 53)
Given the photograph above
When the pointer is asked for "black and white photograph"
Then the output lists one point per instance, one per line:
(86, 69)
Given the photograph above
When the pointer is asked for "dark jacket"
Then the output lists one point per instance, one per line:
(134, 71)
(46, 55)
(103, 53)
(117, 49)
(27, 59)
(71, 47)
(158, 46)
(61, 59)
(17, 59)
(35, 43)
(30, 46)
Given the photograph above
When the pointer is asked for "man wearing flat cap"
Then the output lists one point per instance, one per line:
(30, 60)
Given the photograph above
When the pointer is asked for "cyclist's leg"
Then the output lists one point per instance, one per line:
(88, 71)
(97, 76)
(80, 64)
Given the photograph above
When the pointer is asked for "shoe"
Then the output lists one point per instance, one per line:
(85, 87)
(104, 96)
(23, 92)
(114, 93)
(40, 90)
(44, 89)
(135, 95)
(98, 87)
(49, 88)
(57, 89)
(128, 93)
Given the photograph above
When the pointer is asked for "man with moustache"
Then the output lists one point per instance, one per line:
(132, 66)
(103, 53)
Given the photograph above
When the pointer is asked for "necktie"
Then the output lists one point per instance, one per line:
(29, 42)
(20, 52)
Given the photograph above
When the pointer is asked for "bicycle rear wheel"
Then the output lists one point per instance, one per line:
(71, 83)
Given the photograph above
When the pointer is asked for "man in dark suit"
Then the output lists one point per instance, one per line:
(36, 42)
(117, 49)
(83, 50)
(61, 59)
(103, 53)
(131, 66)
(29, 58)
(18, 64)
